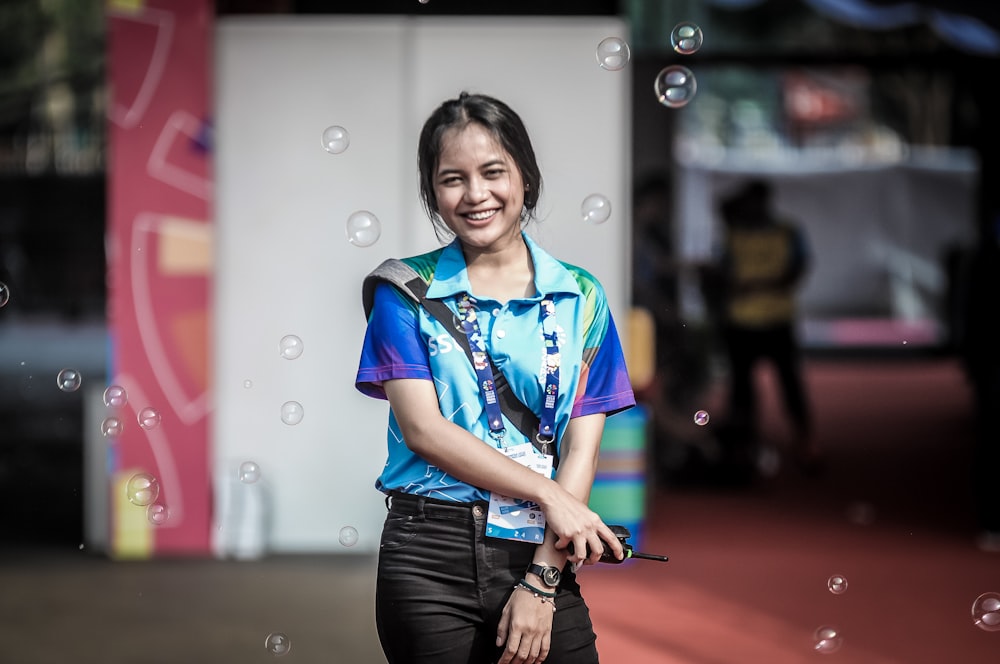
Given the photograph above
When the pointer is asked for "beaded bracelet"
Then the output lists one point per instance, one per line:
(544, 597)
(541, 593)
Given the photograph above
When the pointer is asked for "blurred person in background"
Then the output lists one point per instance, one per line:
(762, 262)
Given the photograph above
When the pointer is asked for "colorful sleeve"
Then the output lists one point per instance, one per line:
(605, 386)
(393, 347)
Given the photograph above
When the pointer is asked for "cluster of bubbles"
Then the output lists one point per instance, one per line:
(675, 85)
(142, 490)
(277, 643)
(827, 639)
(116, 397)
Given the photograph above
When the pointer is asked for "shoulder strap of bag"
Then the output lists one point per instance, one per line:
(413, 286)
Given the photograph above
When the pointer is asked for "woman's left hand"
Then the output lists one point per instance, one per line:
(525, 629)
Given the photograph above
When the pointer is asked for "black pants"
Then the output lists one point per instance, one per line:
(442, 584)
(777, 344)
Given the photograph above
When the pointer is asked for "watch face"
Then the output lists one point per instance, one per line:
(551, 576)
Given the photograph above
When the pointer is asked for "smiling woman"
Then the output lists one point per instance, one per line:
(475, 563)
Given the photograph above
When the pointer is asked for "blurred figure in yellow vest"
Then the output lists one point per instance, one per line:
(763, 261)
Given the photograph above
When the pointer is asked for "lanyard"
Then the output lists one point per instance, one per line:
(485, 377)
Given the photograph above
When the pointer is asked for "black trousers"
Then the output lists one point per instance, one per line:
(778, 344)
(442, 584)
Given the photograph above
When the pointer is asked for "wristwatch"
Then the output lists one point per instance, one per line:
(549, 575)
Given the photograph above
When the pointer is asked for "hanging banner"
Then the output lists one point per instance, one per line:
(160, 265)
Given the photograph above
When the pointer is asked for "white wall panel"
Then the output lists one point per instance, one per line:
(284, 265)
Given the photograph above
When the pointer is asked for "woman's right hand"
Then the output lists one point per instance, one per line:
(573, 522)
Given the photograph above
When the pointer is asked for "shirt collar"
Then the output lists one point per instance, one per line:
(451, 277)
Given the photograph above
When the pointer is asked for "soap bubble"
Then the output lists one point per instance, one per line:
(596, 208)
(613, 54)
(291, 412)
(335, 139)
(248, 384)
(348, 536)
(277, 644)
(701, 418)
(827, 640)
(115, 396)
(148, 418)
(69, 380)
(363, 229)
(111, 426)
(837, 584)
(142, 489)
(686, 38)
(249, 472)
(675, 86)
(157, 514)
(4, 294)
(986, 612)
(291, 346)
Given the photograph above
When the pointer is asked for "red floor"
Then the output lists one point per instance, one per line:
(748, 571)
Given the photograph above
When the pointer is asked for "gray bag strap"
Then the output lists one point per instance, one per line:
(411, 284)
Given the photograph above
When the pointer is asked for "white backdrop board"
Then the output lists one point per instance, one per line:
(285, 267)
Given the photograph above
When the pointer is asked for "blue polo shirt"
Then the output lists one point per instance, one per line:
(404, 341)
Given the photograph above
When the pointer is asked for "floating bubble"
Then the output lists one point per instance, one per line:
(827, 640)
(986, 612)
(249, 472)
(277, 644)
(115, 396)
(69, 380)
(335, 139)
(142, 489)
(248, 384)
(291, 412)
(348, 535)
(596, 208)
(157, 514)
(291, 346)
(613, 54)
(111, 426)
(675, 86)
(701, 418)
(363, 229)
(4, 294)
(837, 584)
(148, 418)
(424, 2)
(686, 38)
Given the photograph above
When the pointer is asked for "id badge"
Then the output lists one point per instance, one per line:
(513, 518)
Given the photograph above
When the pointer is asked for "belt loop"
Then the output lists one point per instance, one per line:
(421, 500)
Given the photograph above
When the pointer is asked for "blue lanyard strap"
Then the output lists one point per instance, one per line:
(481, 363)
(547, 421)
(486, 380)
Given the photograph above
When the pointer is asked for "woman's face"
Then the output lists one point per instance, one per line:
(479, 189)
